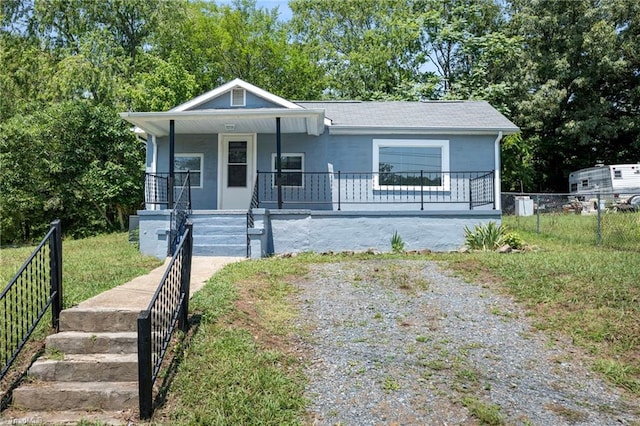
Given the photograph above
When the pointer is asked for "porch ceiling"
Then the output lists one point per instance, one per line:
(310, 121)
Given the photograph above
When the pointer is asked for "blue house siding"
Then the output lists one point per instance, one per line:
(472, 153)
(314, 149)
(295, 231)
(205, 198)
(224, 102)
(346, 153)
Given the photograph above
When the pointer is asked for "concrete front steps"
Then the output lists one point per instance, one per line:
(219, 233)
(97, 341)
(90, 366)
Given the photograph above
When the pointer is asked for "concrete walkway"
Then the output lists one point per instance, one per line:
(137, 293)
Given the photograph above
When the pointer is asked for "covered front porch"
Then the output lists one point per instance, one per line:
(332, 211)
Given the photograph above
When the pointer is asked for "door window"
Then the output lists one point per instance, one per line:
(237, 164)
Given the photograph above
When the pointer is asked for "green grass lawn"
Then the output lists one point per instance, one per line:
(89, 266)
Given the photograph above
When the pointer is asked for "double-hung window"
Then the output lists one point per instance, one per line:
(411, 164)
(292, 166)
(188, 162)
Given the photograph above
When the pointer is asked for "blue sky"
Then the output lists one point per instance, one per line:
(282, 5)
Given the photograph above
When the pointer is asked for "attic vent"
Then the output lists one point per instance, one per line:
(237, 97)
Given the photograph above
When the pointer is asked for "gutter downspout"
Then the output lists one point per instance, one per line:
(496, 173)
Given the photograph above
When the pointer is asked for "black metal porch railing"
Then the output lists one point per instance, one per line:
(25, 300)
(180, 212)
(156, 189)
(168, 307)
(481, 191)
(337, 189)
(158, 194)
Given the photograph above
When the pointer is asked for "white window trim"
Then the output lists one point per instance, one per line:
(201, 157)
(288, 154)
(244, 97)
(411, 143)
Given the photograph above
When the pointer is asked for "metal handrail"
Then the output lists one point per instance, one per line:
(156, 189)
(25, 300)
(180, 212)
(481, 191)
(168, 307)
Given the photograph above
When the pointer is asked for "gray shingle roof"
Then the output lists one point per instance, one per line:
(458, 115)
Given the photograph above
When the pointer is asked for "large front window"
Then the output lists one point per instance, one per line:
(292, 166)
(188, 162)
(411, 164)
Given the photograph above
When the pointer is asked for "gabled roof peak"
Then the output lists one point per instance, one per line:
(212, 94)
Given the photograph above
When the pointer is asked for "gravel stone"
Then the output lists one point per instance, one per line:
(404, 342)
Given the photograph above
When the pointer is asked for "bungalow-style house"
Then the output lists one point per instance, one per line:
(258, 174)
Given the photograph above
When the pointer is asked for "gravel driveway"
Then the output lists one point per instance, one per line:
(403, 342)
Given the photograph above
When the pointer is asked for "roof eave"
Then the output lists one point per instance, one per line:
(218, 91)
(385, 130)
(154, 122)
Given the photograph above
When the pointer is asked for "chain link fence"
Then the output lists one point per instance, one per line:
(604, 219)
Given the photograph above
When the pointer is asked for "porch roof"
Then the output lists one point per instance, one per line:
(263, 120)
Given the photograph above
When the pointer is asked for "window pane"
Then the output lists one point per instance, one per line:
(288, 162)
(186, 163)
(402, 165)
(398, 159)
(292, 163)
(237, 176)
(291, 169)
(238, 152)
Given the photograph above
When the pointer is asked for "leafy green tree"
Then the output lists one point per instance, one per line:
(23, 179)
(474, 57)
(578, 99)
(216, 43)
(518, 167)
(74, 161)
(163, 87)
(369, 49)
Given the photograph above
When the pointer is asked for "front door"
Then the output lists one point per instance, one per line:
(237, 171)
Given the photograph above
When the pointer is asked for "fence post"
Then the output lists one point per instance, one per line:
(470, 193)
(55, 262)
(421, 189)
(185, 279)
(538, 213)
(339, 185)
(493, 191)
(599, 230)
(145, 394)
(189, 190)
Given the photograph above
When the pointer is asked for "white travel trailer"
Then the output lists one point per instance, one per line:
(615, 182)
